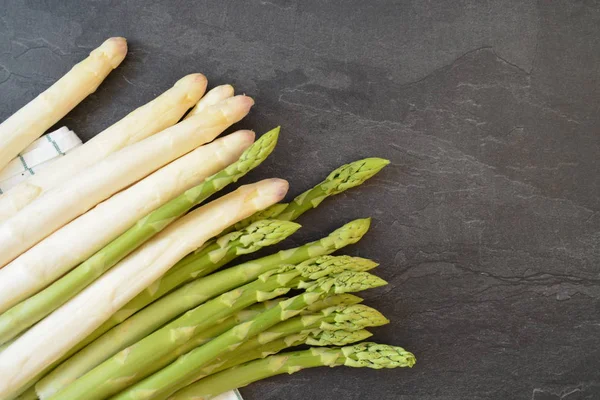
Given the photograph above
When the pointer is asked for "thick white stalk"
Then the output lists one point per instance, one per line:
(51, 338)
(78, 240)
(64, 203)
(31, 121)
(157, 115)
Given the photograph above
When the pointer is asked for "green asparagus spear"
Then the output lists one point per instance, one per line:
(347, 234)
(314, 337)
(211, 333)
(341, 179)
(166, 380)
(32, 310)
(310, 328)
(71, 370)
(369, 355)
(160, 312)
(195, 265)
(311, 335)
(138, 360)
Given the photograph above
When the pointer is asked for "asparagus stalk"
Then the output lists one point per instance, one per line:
(331, 326)
(296, 330)
(242, 355)
(67, 201)
(166, 381)
(138, 360)
(311, 336)
(211, 333)
(155, 315)
(51, 258)
(200, 263)
(31, 121)
(369, 355)
(40, 305)
(50, 339)
(60, 377)
(339, 180)
(223, 281)
(198, 292)
(159, 114)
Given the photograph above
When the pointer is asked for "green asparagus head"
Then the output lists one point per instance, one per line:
(345, 177)
(352, 318)
(254, 155)
(353, 174)
(346, 299)
(350, 233)
(345, 282)
(258, 235)
(336, 338)
(377, 356)
(319, 267)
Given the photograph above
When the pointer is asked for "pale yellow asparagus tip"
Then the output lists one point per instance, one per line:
(114, 49)
(194, 85)
(213, 96)
(232, 109)
(246, 137)
(269, 191)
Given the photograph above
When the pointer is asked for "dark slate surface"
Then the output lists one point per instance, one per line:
(487, 222)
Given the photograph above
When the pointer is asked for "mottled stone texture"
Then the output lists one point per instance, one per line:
(487, 223)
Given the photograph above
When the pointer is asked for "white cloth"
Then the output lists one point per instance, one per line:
(37, 155)
(40, 154)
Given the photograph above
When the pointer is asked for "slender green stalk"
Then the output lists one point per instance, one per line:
(118, 337)
(92, 355)
(195, 265)
(315, 337)
(312, 335)
(339, 180)
(165, 381)
(137, 361)
(32, 310)
(244, 354)
(190, 267)
(323, 327)
(369, 355)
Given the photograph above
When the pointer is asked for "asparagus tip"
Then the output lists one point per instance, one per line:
(353, 174)
(337, 338)
(327, 265)
(355, 317)
(377, 356)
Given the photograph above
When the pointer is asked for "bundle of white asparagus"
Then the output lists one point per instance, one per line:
(109, 256)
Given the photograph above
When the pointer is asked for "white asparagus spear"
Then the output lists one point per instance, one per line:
(52, 337)
(31, 121)
(213, 96)
(157, 115)
(78, 240)
(62, 204)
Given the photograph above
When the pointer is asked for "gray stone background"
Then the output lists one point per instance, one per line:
(487, 221)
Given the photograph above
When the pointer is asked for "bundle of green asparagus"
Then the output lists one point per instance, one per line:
(114, 272)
